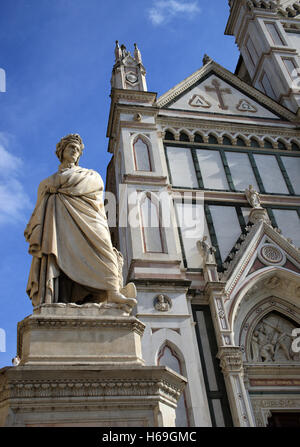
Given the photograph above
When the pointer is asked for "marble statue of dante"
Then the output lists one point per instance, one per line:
(73, 257)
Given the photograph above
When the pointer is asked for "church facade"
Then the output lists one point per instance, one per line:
(207, 181)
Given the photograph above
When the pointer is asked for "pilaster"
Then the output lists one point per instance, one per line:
(231, 363)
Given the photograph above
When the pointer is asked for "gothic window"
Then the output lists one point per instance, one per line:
(183, 137)
(141, 155)
(168, 357)
(169, 136)
(295, 147)
(198, 138)
(151, 225)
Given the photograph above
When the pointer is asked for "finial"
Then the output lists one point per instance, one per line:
(137, 54)
(118, 52)
(124, 51)
(206, 59)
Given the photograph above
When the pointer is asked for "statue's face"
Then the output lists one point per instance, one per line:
(71, 152)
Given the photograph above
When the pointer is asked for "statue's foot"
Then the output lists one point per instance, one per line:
(129, 291)
(113, 296)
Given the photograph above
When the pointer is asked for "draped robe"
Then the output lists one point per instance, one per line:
(68, 236)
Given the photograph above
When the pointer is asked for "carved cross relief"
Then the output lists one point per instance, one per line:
(216, 88)
(200, 101)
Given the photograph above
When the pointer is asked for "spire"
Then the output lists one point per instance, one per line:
(128, 72)
(137, 54)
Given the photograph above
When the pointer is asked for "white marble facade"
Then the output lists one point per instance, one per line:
(184, 161)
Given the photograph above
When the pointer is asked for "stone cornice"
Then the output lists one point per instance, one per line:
(82, 323)
(75, 382)
(140, 179)
(234, 127)
(235, 197)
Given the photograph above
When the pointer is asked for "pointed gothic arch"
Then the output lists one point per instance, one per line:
(198, 137)
(295, 145)
(169, 135)
(255, 142)
(227, 140)
(282, 144)
(183, 136)
(268, 143)
(253, 286)
(241, 140)
(142, 153)
(266, 331)
(213, 138)
(170, 355)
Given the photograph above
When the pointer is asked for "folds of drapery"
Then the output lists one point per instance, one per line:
(68, 233)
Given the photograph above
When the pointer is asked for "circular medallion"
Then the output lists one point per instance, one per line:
(271, 254)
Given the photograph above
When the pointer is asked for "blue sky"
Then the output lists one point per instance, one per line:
(58, 56)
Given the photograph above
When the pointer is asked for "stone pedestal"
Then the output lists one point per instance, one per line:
(71, 334)
(82, 366)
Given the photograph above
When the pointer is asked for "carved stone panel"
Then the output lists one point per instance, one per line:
(272, 340)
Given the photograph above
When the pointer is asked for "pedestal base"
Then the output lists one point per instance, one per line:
(83, 366)
(89, 396)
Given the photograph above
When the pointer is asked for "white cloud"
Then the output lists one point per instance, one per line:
(13, 199)
(163, 11)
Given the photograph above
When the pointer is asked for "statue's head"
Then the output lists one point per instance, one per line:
(65, 141)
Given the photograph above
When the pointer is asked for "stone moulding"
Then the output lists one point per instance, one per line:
(62, 323)
(20, 383)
